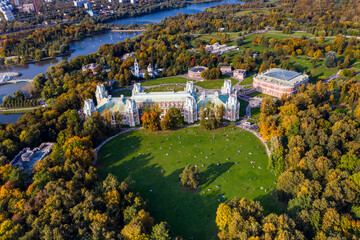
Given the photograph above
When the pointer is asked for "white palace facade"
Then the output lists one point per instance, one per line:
(188, 101)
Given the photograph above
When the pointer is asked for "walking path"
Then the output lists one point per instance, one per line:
(122, 131)
(242, 125)
(238, 124)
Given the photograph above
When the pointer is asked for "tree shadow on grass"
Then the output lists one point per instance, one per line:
(271, 204)
(212, 172)
(189, 213)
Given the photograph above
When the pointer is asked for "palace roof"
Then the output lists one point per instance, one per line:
(160, 96)
(116, 104)
(282, 77)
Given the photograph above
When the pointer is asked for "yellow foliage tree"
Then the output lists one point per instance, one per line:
(223, 216)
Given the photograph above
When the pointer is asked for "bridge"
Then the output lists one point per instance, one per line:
(19, 80)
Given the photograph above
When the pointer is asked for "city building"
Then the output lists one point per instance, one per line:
(218, 49)
(28, 8)
(36, 5)
(5, 9)
(79, 3)
(17, 2)
(7, 15)
(239, 74)
(87, 5)
(278, 82)
(91, 13)
(195, 72)
(26, 158)
(188, 101)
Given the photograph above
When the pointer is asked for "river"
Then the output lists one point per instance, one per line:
(92, 44)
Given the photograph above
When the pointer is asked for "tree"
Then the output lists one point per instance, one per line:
(151, 119)
(223, 216)
(172, 119)
(19, 95)
(160, 232)
(79, 149)
(330, 59)
(239, 41)
(64, 48)
(189, 177)
(211, 116)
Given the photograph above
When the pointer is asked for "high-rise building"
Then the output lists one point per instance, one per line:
(36, 5)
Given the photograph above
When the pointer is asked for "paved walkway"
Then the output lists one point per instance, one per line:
(242, 125)
(122, 131)
(239, 124)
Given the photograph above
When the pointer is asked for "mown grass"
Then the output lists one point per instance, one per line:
(126, 93)
(247, 80)
(215, 84)
(243, 105)
(303, 64)
(164, 80)
(255, 113)
(166, 88)
(261, 95)
(154, 161)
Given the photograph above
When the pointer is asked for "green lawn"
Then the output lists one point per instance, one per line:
(167, 88)
(255, 113)
(215, 84)
(126, 93)
(258, 94)
(164, 80)
(356, 65)
(243, 105)
(304, 64)
(247, 80)
(294, 34)
(154, 161)
(248, 41)
(209, 37)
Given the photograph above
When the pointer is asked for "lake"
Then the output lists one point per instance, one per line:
(92, 44)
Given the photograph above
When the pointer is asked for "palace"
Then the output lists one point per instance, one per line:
(188, 101)
(278, 82)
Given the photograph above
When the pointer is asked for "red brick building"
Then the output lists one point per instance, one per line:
(277, 82)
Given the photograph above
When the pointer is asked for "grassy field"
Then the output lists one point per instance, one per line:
(154, 161)
(215, 84)
(294, 34)
(164, 80)
(126, 93)
(243, 105)
(356, 65)
(247, 80)
(255, 113)
(209, 37)
(258, 94)
(304, 64)
(167, 88)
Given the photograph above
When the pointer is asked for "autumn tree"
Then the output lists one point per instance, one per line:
(151, 119)
(172, 119)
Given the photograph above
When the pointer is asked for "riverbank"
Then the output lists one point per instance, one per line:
(17, 110)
